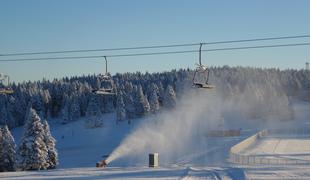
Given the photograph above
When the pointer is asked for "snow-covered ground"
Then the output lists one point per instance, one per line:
(291, 147)
(80, 148)
(131, 173)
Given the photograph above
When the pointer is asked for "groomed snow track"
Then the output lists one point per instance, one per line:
(274, 147)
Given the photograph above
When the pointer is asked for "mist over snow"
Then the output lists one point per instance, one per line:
(181, 132)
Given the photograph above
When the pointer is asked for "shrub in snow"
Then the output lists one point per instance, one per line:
(7, 150)
(52, 155)
(32, 151)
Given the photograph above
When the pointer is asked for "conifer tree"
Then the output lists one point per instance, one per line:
(52, 155)
(153, 101)
(75, 110)
(170, 97)
(142, 106)
(32, 151)
(120, 107)
(65, 118)
(129, 101)
(93, 113)
(7, 150)
(161, 94)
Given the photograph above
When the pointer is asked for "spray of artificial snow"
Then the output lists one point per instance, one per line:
(181, 131)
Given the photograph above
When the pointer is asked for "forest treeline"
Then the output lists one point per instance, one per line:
(139, 94)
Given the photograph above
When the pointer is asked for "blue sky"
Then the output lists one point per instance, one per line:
(41, 25)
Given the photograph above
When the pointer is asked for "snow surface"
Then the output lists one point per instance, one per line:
(281, 147)
(80, 148)
(131, 173)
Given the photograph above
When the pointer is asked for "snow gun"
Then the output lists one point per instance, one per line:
(102, 163)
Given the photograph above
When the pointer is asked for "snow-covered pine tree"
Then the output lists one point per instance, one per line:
(170, 97)
(93, 113)
(3, 111)
(120, 107)
(161, 93)
(7, 150)
(153, 101)
(20, 108)
(52, 155)
(37, 102)
(142, 106)
(64, 113)
(129, 102)
(46, 99)
(152, 87)
(32, 151)
(11, 122)
(108, 104)
(75, 110)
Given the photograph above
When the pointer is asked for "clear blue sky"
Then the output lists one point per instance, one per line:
(41, 25)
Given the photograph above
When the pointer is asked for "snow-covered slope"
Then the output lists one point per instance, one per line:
(80, 148)
(141, 173)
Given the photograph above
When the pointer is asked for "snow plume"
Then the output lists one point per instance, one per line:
(168, 131)
(181, 132)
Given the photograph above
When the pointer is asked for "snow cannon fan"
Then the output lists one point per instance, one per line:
(201, 75)
(102, 163)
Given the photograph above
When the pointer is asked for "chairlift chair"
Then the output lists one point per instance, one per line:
(107, 79)
(5, 89)
(201, 74)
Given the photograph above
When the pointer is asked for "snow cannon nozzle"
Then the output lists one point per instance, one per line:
(104, 163)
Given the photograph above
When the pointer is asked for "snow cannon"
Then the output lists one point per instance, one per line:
(102, 163)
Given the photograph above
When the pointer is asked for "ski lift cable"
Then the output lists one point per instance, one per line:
(156, 53)
(153, 47)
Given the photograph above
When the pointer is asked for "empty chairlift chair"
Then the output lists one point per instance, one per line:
(201, 74)
(106, 83)
(5, 86)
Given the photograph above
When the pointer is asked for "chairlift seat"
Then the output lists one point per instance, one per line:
(104, 92)
(6, 91)
(203, 85)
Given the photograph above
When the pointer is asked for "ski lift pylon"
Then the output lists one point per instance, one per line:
(107, 80)
(5, 89)
(201, 74)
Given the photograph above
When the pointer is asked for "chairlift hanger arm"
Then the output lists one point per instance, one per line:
(200, 46)
(106, 65)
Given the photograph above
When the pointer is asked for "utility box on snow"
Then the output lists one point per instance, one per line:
(153, 160)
